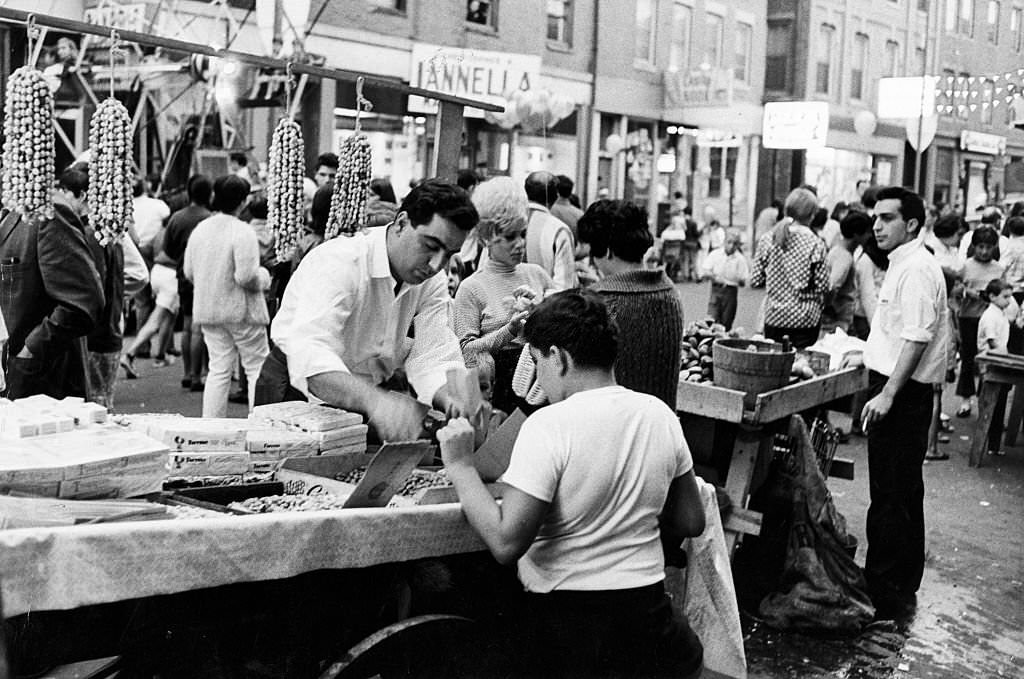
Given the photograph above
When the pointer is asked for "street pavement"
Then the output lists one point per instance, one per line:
(970, 609)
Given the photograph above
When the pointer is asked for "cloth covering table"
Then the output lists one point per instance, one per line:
(48, 569)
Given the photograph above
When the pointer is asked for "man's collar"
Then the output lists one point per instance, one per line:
(380, 266)
(901, 252)
(538, 207)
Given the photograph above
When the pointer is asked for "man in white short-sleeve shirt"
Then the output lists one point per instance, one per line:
(906, 355)
(596, 482)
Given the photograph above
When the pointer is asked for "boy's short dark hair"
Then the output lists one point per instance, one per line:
(239, 158)
(75, 181)
(951, 224)
(994, 288)
(565, 186)
(578, 322)
(439, 197)
(328, 159)
(616, 225)
(911, 205)
(985, 235)
(229, 192)
(258, 207)
(467, 179)
(855, 224)
(1015, 226)
(200, 189)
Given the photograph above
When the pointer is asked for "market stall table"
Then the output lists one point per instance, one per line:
(752, 451)
(996, 370)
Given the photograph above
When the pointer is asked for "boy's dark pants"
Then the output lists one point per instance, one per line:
(722, 305)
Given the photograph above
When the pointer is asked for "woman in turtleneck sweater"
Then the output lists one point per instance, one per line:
(487, 316)
(644, 303)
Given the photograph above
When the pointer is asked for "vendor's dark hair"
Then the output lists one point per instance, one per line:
(200, 189)
(565, 186)
(578, 322)
(229, 192)
(616, 225)
(328, 159)
(949, 225)
(439, 197)
(855, 223)
(381, 186)
(258, 207)
(1015, 225)
(985, 235)
(911, 205)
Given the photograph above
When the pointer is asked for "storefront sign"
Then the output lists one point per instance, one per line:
(795, 124)
(980, 142)
(129, 17)
(473, 74)
(701, 87)
(906, 97)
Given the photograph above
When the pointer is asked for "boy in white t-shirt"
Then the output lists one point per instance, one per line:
(596, 483)
(993, 335)
(728, 270)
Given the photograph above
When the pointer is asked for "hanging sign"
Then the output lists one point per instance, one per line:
(795, 124)
(981, 142)
(474, 74)
(126, 17)
(906, 97)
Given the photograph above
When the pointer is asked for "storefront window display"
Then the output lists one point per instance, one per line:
(835, 173)
(640, 168)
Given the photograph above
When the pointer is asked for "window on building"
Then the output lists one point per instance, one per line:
(951, 9)
(987, 97)
(892, 58)
(1015, 26)
(741, 67)
(963, 109)
(858, 73)
(714, 25)
(560, 21)
(397, 5)
(992, 22)
(776, 64)
(643, 46)
(482, 12)
(679, 47)
(965, 23)
(920, 62)
(723, 169)
(826, 47)
(922, 5)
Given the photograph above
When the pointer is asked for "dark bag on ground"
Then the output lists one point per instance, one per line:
(818, 586)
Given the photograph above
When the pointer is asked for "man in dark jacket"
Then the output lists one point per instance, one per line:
(51, 296)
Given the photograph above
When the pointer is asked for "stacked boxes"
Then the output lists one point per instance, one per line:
(42, 415)
(332, 430)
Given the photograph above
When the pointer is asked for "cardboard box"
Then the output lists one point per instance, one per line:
(127, 483)
(196, 434)
(207, 463)
(307, 416)
(279, 443)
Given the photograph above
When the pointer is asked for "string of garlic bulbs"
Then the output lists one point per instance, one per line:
(285, 201)
(110, 171)
(351, 186)
(28, 154)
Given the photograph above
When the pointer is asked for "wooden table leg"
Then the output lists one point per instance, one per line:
(741, 472)
(1016, 416)
(988, 394)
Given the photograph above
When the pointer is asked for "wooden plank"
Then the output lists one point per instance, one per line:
(709, 400)
(741, 467)
(794, 398)
(1016, 415)
(988, 394)
(743, 521)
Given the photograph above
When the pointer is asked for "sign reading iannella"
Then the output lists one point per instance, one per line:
(473, 74)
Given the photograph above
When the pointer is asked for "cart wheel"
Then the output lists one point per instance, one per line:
(423, 646)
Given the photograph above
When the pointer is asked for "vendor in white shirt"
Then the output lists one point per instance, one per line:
(360, 308)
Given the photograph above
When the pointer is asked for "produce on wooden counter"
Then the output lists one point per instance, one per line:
(697, 365)
(351, 185)
(285, 202)
(289, 503)
(28, 157)
(110, 186)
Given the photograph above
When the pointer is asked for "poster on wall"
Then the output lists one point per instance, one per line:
(795, 124)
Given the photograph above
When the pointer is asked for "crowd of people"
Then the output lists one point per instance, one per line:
(554, 303)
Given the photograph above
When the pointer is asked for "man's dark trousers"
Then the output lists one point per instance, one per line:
(895, 524)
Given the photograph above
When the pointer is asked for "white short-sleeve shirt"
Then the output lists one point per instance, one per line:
(993, 324)
(604, 460)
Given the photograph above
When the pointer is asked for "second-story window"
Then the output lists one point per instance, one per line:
(826, 47)
(397, 5)
(1015, 25)
(777, 53)
(892, 58)
(987, 97)
(741, 67)
(992, 22)
(679, 47)
(482, 12)
(920, 63)
(965, 21)
(858, 72)
(643, 44)
(713, 40)
(560, 21)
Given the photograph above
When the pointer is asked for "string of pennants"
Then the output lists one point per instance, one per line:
(969, 93)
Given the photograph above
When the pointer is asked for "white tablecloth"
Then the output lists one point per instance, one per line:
(62, 568)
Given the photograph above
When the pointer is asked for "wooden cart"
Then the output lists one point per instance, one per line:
(752, 451)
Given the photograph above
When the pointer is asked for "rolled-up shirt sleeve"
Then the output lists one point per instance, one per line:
(435, 348)
(917, 308)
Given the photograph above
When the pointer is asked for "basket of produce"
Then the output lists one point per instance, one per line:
(751, 366)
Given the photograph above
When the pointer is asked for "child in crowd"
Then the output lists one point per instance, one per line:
(485, 374)
(993, 335)
(728, 270)
(978, 270)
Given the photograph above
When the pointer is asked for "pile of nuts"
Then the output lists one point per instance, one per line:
(420, 479)
(289, 503)
(28, 156)
(697, 364)
(285, 202)
(190, 512)
(354, 476)
(110, 173)
(351, 186)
